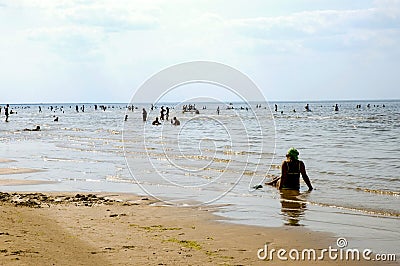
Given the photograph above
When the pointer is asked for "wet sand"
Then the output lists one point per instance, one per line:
(13, 170)
(17, 182)
(6, 160)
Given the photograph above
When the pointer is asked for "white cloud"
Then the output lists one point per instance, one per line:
(78, 30)
(324, 30)
(318, 22)
(70, 42)
(111, 18)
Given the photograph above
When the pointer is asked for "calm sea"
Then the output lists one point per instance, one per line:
(351, 155)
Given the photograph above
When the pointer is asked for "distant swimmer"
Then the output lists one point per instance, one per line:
(56, 119)
(175, 122)
(336, 108)
(276, 108)
(156, 122)
(144, 113)
(40, 109)
(167, 114)
(35, 129)
(126, 118)
(291, 169)
(6, 112)
(307, 107)
(162, 113)
(218, 110)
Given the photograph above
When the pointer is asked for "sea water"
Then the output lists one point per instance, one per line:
(351, 157)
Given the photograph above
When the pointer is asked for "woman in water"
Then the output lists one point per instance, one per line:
(291, 169)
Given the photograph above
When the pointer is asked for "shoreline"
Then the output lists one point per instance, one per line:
(85, 217)
(121, 229)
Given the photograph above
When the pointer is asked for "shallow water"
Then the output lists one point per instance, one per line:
(351, 157)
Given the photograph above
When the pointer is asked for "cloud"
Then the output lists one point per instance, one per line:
(318, 22)
(324, 29)
(78, 30)
(111, 18)
(71, 42)
(108, 15)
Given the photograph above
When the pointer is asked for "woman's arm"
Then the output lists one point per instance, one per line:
(305, 176)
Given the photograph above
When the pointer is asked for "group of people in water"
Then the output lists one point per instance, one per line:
(164, 116)
(307, 107)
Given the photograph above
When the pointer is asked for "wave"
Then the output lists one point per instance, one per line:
(380, 213)
(381, 192)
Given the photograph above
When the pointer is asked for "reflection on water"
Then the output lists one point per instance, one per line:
(293, 207)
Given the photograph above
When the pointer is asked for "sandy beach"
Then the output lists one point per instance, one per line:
(123, 229)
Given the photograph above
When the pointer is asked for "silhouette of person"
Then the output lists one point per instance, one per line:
(6, 112)
(167, 114)
(144, 113)
(175, 122)
(336, 108)
(156, 122)
(162, 113)
(291, 170)
(35, 129)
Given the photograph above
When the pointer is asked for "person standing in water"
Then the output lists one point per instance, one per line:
(162, 113)
(144, 113)
(167, 113)
(336, 108)
(291, 169)
(6, 112)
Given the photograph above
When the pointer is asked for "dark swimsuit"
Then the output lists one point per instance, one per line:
(292, 180)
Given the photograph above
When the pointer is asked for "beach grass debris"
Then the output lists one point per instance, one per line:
(185, 243)
(157, 227)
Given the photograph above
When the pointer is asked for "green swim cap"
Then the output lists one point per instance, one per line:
(293, 153)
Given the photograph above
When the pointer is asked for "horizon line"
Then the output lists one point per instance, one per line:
(227, 101)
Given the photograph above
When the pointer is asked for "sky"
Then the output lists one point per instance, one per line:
(102, 51)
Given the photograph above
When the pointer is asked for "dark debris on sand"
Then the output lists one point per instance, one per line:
(38, 200)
